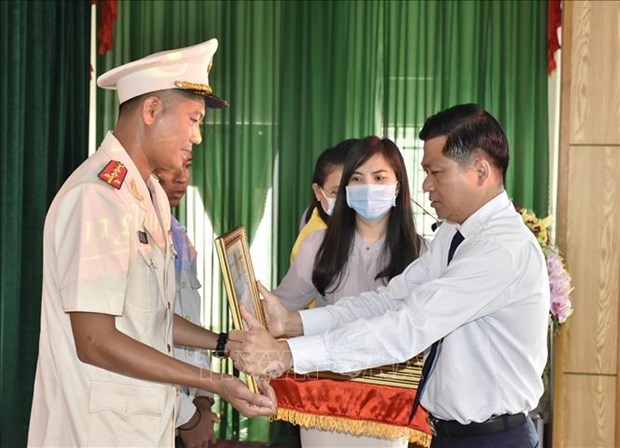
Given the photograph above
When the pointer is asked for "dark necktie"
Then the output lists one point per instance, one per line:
(430, 359)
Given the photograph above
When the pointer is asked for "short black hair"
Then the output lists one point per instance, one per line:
(469, 129)
(167, 96)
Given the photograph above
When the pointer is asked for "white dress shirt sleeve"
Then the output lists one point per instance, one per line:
(368, 304)
(397, 322)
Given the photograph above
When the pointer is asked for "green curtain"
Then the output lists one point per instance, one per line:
(492, 53)
(234, 171)
(44, 112)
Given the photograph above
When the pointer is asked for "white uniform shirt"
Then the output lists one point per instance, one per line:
(490, 305)
(296, 288)
(187, 305)
(105, 251)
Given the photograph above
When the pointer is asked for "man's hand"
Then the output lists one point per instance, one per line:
(201, 432)
(247, 402)
(280, 321)
(255, 351)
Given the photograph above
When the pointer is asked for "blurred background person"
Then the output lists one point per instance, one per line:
(195, 419)
(325, 183)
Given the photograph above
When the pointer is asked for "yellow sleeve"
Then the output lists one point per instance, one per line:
(314, 223)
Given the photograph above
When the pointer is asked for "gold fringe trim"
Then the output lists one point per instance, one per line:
(355, 427)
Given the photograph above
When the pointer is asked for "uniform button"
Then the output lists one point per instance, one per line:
(168, 348)
(168, 305)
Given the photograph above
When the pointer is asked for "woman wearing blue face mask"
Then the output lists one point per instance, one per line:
(371, 238)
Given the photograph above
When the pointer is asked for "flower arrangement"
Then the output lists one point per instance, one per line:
(560, 307)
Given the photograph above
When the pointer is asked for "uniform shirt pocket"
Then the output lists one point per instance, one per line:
(125, 415)
(144, 280)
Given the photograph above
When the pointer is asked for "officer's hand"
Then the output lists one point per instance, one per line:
(247, 402)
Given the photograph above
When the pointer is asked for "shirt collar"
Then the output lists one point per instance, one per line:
(115, 151)
(141, 189)
(477, 219)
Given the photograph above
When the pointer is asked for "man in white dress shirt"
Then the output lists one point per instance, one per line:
(477, 301)
(106, 375)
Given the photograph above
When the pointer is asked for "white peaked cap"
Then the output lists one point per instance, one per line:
(184, 68)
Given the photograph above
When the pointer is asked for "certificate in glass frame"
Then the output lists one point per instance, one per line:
(238, 274)
(406, 375)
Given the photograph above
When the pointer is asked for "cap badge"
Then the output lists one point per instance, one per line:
(202, 88)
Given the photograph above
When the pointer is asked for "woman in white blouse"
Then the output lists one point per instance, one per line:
(371, 238)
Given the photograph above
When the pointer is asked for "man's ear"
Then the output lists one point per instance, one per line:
(483, 170)
(150, 108)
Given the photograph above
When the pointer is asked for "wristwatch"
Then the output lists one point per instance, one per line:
(220, 348)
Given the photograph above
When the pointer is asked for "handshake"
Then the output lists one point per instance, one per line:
(256, 351)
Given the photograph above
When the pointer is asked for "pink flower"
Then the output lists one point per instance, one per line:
(560, 287)
(560, 306)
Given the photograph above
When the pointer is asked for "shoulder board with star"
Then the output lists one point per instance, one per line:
(114, 174)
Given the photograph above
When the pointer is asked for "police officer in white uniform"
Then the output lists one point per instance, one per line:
(106, 375)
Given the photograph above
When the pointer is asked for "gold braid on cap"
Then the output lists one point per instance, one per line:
(202, 88)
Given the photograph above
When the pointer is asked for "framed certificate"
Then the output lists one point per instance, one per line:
(406, 375)
(238, 274)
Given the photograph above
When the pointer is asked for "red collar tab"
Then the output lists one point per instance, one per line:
(114, 174)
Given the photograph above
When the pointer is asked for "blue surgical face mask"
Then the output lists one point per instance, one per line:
(331, 202)
(371, 201)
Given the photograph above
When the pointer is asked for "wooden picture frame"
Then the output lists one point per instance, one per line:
(406, 375)
(238, 274)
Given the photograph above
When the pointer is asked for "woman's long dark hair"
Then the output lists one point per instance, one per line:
(327, 161)
(402, 243)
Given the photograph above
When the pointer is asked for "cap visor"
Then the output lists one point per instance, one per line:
(214, 102)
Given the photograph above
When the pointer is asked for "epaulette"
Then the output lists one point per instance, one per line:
(114, 174)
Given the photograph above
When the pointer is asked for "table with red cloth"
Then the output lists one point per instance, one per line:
(372, 409)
